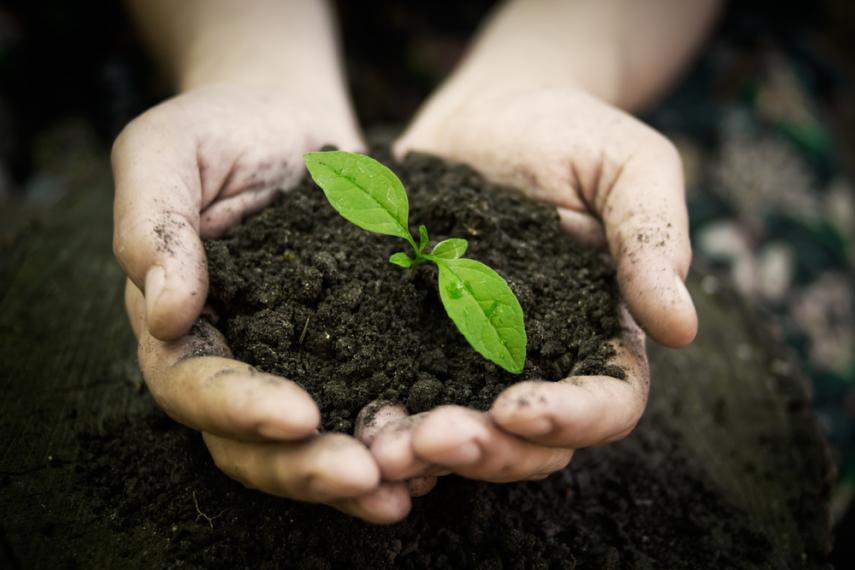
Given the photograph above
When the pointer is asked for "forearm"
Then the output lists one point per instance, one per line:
(290, 44)
(626, 52)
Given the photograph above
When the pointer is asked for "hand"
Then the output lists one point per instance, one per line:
(193, 166)
(187, 170)
(616, 183)
(261, 430)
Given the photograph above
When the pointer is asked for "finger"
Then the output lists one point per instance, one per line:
(374, 417)
(156, 231)
(643, 208)
(388, 504)
(583, 410)
(320, 469)
(470, 444)
(223, 214)
(230, 398)
(392, 448)
(196, 384)
(584, 227)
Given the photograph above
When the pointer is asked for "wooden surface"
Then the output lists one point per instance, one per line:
(67, 365)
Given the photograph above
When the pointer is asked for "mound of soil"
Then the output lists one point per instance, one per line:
(304, 294)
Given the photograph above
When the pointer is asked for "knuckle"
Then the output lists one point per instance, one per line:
(127, 137)
(119, 144)
(159, 118)
(665, 150)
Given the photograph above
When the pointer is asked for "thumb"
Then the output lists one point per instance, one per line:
(156, 227)
(643, 210)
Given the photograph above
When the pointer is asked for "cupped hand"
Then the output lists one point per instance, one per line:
(187, 170)
(616, 183)
(195, 165)
(262, 430)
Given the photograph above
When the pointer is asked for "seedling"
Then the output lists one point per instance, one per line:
(476, 298)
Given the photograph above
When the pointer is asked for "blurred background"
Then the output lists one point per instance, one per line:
(765, 122)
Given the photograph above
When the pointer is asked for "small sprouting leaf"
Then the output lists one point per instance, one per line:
(476, 298)
(423, 237)
(363, 191)
(485, 311)
(401, 259)
(450, 248)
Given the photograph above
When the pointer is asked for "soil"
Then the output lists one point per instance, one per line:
(727, 469)
(179, 507)
(302, 293)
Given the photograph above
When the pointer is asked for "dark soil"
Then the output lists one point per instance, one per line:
(727, 468)
(177, 506)
(304, 294)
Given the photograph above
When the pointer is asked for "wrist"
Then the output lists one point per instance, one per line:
(472, 90)
(551, 44)
(321, 87)
(598, 76)
(286, 46)
(320, 92)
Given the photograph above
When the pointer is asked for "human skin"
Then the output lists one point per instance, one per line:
(536, 105)
(251, 104)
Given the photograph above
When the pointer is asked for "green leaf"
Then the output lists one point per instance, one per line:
(401, 259)
(485, 311)
(362, 190)
(450, 248)
(423, 237)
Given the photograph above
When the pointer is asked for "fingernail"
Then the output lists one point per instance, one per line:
(155, 281)
(686, 313)
(682, 290)
(682, 297)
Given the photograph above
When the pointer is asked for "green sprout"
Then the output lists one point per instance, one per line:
(476, 298)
